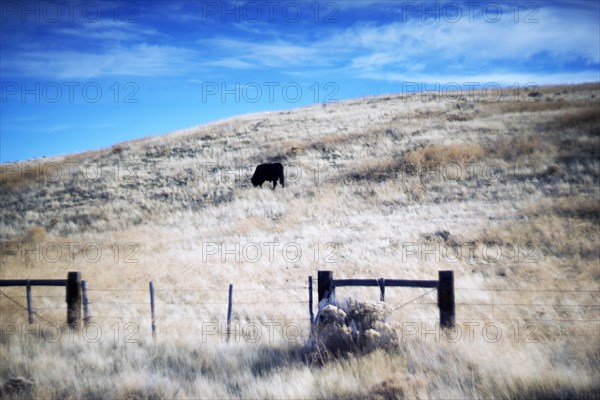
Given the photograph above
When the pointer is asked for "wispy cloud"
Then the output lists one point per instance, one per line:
(473, 48)
(553, 46)
(140, 60)
(107, 32)
(274, 53)
(477, 81)
(362, 48)
(359, 48)
(470, 45)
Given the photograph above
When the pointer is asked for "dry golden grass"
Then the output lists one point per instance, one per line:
(522, 147)
(11, 178)
(431, 156)
(529, 106)
(504, 194)
(580, 207)
(35, 235)
(589, 116)
(422, 370)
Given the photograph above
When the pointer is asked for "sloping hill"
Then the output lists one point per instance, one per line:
(503, 190)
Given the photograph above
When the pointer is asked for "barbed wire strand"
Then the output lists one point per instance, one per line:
(524, 304)
(515, 320)
(117, 290)
(416, 298)
(237, 289)
(305, 302)
(531, 290)
(22, 306)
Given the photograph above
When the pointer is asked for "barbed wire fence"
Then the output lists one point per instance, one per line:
(293, 305)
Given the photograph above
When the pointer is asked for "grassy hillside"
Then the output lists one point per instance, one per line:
(501, 189)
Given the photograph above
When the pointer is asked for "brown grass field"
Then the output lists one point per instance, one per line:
(504, 190)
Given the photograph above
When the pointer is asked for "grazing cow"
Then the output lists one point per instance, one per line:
(268, 172)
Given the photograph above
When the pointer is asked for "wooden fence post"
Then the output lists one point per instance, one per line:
(310, 300)
(29, 305)
(229, 310)
(324, 284)
(446, 298)
(381, 282)
(73, 299)
(152, 310)
(86, 311)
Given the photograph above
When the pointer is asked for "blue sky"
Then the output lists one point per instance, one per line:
(83, 75)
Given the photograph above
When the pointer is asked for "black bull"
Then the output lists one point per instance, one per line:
(268, 172)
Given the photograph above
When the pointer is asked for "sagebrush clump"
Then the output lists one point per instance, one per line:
(352, 326)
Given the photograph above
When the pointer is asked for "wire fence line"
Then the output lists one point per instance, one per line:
(183, 299)
(198, 290)
(128, 316)
(12, 298)
(22, 306)
(416, 298)
(531, 290)
(186, 304)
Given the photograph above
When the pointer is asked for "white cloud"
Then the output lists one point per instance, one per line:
(229, 62)
(138, 60)
(399, 49)
(478, 81)
(381, 51)
(272, 54)
(107, 30)
(365, 49)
